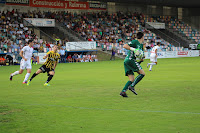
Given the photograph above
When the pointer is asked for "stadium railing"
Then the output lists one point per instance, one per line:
(163, 35)
(41, 34)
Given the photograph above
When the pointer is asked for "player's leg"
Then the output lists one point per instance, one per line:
(137, 80)
(34, 75)
(22, 67)
(123, 92)
(16, 73)
(153, 59)
(154, 62)
(130, 74)
(141, 75)
(28, 67)
(27, 76)
(151, 65)
(51, 74)
(131, 79)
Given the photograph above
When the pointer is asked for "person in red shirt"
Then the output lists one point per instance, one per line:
(89, 39)
(69, 58)
(48, 45)
(2, 60)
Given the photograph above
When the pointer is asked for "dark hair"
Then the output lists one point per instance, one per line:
(29, 41)
(140, 35)
(158, 43)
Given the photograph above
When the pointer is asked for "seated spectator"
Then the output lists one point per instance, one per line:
(75, 57)
(69, 59)
(34, 60)
(2, 61)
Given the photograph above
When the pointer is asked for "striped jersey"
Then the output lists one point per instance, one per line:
(52, 59)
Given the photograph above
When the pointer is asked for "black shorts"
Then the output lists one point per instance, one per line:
(45, 69)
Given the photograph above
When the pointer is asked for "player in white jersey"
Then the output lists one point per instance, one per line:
(26, 54)
(153, 56)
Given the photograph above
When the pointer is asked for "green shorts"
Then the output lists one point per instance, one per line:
(131, 66)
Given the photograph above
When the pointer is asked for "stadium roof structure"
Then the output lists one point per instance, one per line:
(176, 3)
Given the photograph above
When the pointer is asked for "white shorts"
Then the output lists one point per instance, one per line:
(153, 58)
(25, 64)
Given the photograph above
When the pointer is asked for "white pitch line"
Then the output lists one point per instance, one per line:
(107, 109)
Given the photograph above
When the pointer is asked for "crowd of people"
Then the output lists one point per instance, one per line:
(14, 34)
(108, 30)
(81, 58)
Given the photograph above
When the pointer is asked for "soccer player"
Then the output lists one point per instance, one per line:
(26, 54)
(131, 65)
(49, 66)
(153, 56)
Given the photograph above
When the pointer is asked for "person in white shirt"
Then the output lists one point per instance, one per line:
(26, 54)
(62, 55)
(153, 56)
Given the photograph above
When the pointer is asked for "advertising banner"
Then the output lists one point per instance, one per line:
(183, 53)
(59, 4)
(41, 55)
(17, 2)
(77, 5)
(39, 22)
(198, 46)
(193, 53)
(80, 46)
(193, 46)
(98, 6)
(171, 54)
(175, 54)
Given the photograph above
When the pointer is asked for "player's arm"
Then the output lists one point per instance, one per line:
(128, 47)
(21, 54)
(46, 55)
(144, 46)
(156, 51)
(55, 64)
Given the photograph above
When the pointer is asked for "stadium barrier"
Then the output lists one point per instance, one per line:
(175, 54)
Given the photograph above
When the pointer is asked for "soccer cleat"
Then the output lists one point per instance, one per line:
(25, 82)
(150, 70)
(123, 94)
(132, 89)
(28, 83)
(147, 65)
(11, 77)
(46, 84)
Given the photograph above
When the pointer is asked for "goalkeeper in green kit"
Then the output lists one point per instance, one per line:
(131, 65)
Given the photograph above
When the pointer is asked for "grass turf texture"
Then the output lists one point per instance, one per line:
(84, 97)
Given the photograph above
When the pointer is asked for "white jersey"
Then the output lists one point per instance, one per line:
(153, 57)
(153, 51)
(27, 52)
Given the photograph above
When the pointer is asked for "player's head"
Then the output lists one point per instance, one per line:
(30, 42)
(55, 48)
(158, 43)
(140, 36)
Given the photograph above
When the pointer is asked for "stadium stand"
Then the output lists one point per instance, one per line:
(181, 27)
(108, 30)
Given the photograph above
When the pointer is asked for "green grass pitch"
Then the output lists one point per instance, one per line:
(84, 97)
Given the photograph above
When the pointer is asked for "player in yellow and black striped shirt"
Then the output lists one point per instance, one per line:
(49, 66)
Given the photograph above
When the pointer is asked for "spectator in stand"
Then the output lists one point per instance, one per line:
(75, 57)
(48, 45)
(2, 60)
(62, 55)
(69, 59)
